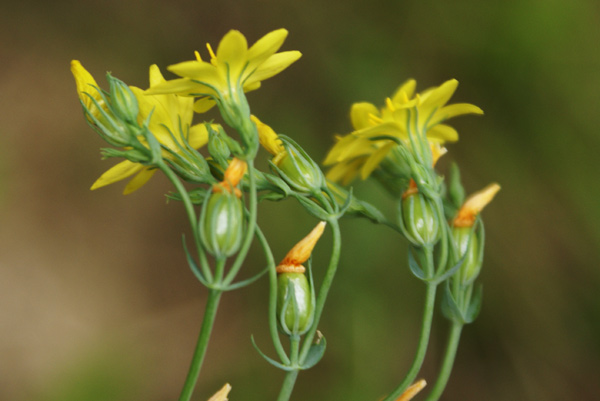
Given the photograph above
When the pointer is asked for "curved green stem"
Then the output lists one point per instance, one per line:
(210, 313)
(272, 297)
(325, 286)
(421, 347)
(448, 362)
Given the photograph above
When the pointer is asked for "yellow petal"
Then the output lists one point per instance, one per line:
(474, 205)
(360, 114)
(267, 137)
(232, 51)
(156, 76)
(405, 92)
(374, 160)
(437, 97)
(86, 84)
(345, 172)
(273, 66)
(203, 104)
(454, 110)
(266, 46)
(139, 180)
(116, 173)
(221, 395)
(182, 86)
(198, 135)
(442, 133)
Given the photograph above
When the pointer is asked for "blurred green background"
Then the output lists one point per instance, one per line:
(96, 300)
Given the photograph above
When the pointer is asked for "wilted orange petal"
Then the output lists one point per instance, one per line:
(474, 205)
(302, 250)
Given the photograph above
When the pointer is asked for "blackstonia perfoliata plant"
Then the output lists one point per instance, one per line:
(398, 144)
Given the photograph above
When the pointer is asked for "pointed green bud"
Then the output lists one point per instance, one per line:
(419, 218)
(297, 168)
(221, 223)
(124, 104)
(468, 246)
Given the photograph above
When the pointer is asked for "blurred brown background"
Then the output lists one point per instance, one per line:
(96, 300)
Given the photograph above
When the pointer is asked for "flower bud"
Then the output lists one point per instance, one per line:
(222, 218)
(295, 299)
(467, 245)
(419, 217)
(124, 104)
(221, 224)
(295, 309)
(297, 168)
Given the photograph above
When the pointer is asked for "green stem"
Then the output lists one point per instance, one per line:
(272, 297)
(210, 313)
(325, 286)
(288, 385)
(448, 362)
(422, 346)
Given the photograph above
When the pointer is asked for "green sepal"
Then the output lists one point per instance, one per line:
(133, 155)
(456, 192)
(475, 305)
(271, 360)
(313, 208)
(197, 195)
(450, 308)
(217, 145)
(315, 353)
(415, 268)
(193, 266)
(246, 282)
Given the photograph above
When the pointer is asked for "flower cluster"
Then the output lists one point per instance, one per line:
(216, 179)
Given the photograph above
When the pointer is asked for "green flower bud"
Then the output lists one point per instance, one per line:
(420, 219)
(297, 168)
(217, 147)
(221, 223)
(467, 244)
(295, 309)
(124, 104)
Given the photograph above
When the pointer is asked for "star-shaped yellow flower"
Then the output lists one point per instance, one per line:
(233, 68)
(170, 115)
(404, 115)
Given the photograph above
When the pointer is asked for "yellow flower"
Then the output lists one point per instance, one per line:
(474, 205)
(170, 114)
(221, 395)
(408, 117)
(232, 69)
